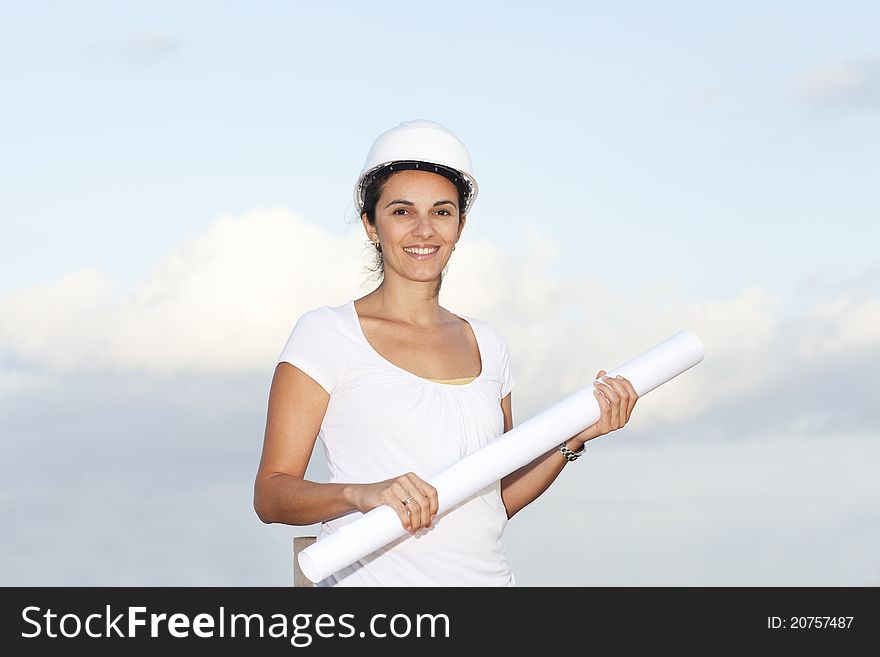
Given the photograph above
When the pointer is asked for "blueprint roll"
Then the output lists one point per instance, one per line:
(521, 445)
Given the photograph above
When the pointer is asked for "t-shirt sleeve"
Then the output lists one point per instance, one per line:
(507, 380)
(314, 346)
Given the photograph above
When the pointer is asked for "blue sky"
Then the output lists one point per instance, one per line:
(643, 167)
(615, 126)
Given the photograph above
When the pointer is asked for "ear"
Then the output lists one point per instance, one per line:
(369, 228)
(461, 224)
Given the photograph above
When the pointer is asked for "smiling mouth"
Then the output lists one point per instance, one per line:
(422, 253)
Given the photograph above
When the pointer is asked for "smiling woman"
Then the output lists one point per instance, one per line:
(414, 219)
(399, 388)
(449, 175)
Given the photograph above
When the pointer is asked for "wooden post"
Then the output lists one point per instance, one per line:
(301, 543)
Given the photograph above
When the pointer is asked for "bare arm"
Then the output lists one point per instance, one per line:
(297, 405)
(522, 487)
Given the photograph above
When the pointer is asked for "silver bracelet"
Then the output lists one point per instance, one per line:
(567, 453)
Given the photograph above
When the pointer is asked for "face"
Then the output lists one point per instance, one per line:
(416, 209)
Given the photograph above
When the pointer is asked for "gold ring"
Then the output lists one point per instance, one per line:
(408, 500)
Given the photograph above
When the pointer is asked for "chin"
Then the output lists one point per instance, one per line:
(425, 279)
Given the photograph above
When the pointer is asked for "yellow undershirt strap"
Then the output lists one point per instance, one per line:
(455, 382)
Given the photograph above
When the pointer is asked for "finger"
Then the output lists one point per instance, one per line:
(614, 401)
(609, 392)
(621, 403)
(604, 412)
(616, 384)
(433, 502)
(405, 516)
(599, 400)
(398, 494)
(419, 509)
(615, 412)
(400, 508)
(633, 396)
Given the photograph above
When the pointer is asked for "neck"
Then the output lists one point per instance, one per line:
(411, 302)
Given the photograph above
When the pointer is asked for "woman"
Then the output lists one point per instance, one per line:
(399, 388)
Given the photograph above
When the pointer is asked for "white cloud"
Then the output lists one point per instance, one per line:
(18, 381)
(749, 469)
(138, 48)
(220, 303)
(842, 324)
(854, 82)
(226, 300)
(771, 510)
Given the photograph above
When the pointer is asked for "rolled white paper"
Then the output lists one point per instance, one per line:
(519, 446)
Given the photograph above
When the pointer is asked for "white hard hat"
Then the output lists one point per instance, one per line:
(420, 144)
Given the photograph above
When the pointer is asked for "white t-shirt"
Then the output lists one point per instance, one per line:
(383, 421)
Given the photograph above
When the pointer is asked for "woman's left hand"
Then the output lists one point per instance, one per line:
(617, 398)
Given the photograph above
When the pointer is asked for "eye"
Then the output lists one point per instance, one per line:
(446, 211)
(399, 210)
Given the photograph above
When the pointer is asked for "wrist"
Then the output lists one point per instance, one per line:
(348, 496)
(584, 436)
(571, 449)
(575, 442)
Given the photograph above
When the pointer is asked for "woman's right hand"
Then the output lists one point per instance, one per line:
(414, 499)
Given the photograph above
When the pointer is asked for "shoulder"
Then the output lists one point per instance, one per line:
(323, 317)
(488, 335)
(318, 326)
(317, 346)
(485, 328)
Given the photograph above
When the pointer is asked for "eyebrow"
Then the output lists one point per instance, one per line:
(403, 202)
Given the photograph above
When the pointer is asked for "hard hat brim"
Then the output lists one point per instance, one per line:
(460, 179)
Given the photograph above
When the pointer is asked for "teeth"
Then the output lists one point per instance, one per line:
(422, 251)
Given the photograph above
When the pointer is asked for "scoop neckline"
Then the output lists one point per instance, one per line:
(363, 337)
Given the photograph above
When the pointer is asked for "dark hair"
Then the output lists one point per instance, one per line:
(373, 191)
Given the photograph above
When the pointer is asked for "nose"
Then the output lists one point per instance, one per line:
(423, 227)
